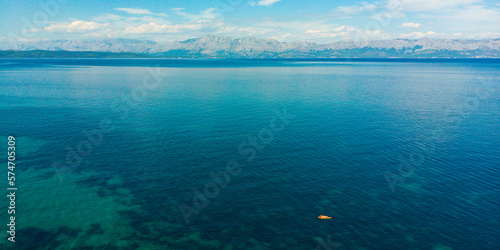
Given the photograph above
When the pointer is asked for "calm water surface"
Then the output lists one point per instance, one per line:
(309, 137)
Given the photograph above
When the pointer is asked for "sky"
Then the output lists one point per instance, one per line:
(321, 21)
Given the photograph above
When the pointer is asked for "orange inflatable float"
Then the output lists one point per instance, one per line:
(324, 217)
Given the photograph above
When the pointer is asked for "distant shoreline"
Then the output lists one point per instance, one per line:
(40, 54)
(46, 54)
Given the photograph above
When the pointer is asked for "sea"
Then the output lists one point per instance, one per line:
(247, 153)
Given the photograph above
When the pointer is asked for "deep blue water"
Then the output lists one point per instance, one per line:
(348, 125)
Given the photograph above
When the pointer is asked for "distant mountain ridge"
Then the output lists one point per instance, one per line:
(211, 46)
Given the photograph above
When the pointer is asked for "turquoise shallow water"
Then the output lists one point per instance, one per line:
(309, 137)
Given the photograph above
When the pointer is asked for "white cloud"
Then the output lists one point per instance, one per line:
(153, 28)
(411, 25)
(418, 35)
(387, 16)
(377, 11)
(208, 14)
(134, 11)
(430, 5)
(485, 35)
(264, 2)
(471, 14)
(75, 27)
(354, 9)
(316, 31)
(457, 35)
(344, 28)
(481, 35)
(468, 20)
(320, 31)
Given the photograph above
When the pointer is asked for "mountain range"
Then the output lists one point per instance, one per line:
(211, 46)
